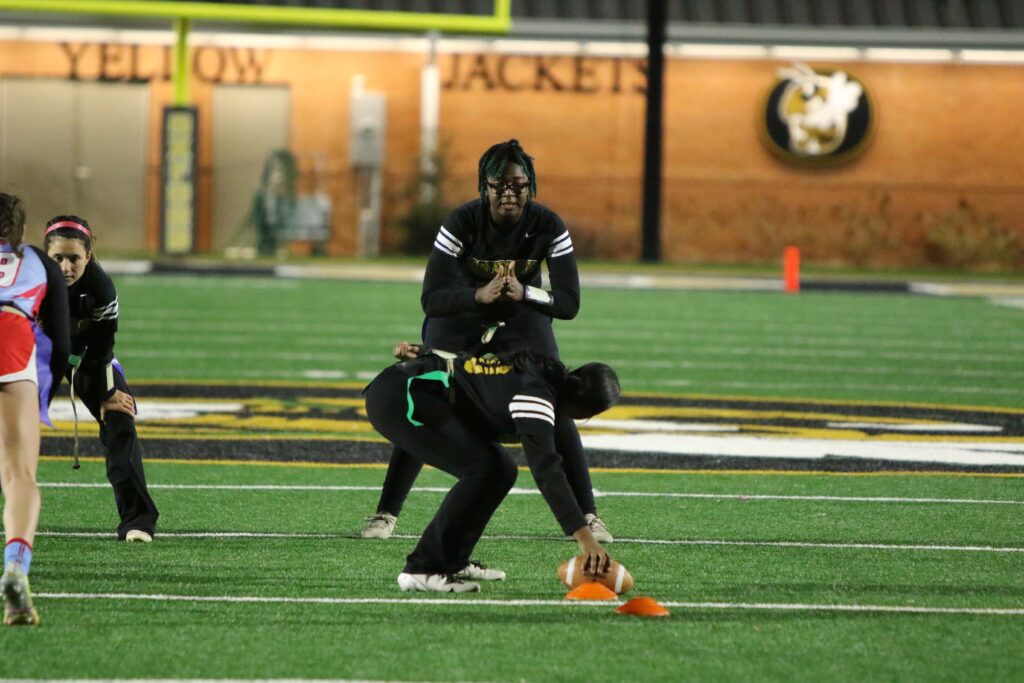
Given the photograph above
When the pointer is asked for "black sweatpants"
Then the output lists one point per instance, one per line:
(123, 453)
(485, 471)
(403, 470)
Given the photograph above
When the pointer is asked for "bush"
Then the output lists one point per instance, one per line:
(965, 239)
(427, 206)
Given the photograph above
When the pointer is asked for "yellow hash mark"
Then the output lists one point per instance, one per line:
(635, 412)
(600, 470)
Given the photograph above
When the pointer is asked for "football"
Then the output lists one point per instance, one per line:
(617, 578)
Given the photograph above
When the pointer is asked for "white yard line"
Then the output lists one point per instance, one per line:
(526, 491)
(477, 602)
(202, 680)
(513, 537)
(703, 385)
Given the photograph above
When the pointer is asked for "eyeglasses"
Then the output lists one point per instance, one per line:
(500, 188)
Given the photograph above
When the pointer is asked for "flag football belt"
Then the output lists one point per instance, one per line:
(437, 367)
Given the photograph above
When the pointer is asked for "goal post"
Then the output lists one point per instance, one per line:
(498, 22)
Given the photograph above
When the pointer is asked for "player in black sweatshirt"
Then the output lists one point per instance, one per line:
(450, 413)
(97, 378)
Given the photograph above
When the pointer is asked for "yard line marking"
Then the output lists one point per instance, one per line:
(484, 602)
(910, 609)
(513, 537)
(892, 388)
(206, 680)
(526, 491)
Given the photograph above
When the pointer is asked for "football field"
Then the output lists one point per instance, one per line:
(818, 486)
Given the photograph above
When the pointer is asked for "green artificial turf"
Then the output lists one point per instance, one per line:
(753, 564)
(944, 553)
(821, 345)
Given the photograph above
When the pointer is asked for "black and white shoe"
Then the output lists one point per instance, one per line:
(436, 583)
(478, 571)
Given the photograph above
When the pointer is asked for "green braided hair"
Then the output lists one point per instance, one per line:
(497, 158)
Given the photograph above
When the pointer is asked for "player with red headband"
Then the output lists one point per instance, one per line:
(96, 377)
(34, 347)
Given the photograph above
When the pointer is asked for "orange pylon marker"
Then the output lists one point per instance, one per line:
(643, 607)
(791, 269)
(591, 591)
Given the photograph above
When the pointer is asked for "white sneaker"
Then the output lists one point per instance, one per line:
(479, 572)
(597, 527)
(437, 583)
(138, 536)
(380, 525)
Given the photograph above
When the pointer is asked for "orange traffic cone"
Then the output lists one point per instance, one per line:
(643, 607)
(591, 591)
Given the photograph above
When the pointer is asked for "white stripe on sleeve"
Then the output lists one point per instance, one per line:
(452, 246)
(561, 247)
(532, 408)
(444, 232)
(445, 249)
(108, 312)
(535, 399)
(521, 415)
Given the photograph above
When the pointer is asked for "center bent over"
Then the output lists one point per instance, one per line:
(450, 413)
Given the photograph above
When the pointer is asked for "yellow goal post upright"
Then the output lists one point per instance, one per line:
(179, 127)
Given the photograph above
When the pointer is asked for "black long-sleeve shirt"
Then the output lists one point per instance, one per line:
(469, 250)
(94, 312)
(500, 400)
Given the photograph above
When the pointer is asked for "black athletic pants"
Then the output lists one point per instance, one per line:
(123, 453)
(485, 472)
(403, 470)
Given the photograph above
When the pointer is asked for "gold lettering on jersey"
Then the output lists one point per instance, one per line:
(490, 269)
(487, 365)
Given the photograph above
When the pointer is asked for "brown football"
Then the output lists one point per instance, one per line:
(617, 578)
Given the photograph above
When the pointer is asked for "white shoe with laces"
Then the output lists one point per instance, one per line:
(436, 583)
(380, 525)
(477, 571)
(597, 527)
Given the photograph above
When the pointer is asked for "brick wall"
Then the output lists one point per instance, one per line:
(944, 158)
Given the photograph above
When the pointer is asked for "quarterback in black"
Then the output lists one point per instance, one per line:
(482, 294)
(450, 413)
(96, 377)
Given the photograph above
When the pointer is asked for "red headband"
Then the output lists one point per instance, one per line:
(69, 224)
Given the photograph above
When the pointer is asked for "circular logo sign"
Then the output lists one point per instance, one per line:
(817, 117)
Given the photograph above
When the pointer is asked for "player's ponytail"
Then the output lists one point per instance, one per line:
(533, 362)
(12, 221)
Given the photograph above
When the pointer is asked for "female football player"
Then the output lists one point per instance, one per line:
(450, 413)
(482, 294)
(96, 377)
(34, 347)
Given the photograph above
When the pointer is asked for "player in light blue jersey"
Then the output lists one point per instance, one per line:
(34, 347)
